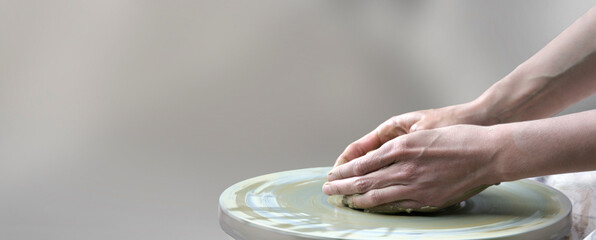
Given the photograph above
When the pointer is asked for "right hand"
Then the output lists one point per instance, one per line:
(432, 168)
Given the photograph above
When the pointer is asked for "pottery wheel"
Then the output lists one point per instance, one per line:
(291, 205)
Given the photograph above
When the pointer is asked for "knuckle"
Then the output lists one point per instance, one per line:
(376, 198)
(388, 130)
(400, 145)
(339, 174)
(391, 129)
(421, 125)
(349, 148)
(408, 173)
(360, 167)
(362, 185)
(395, 122)
(403, 149)
(355, 148)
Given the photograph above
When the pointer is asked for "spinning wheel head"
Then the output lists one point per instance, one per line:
(291, 205)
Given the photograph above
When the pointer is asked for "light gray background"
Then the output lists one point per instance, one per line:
(127, 119)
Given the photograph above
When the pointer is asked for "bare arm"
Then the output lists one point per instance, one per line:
(560, 74)
(543, 147)
(453, 155)
(433, 167)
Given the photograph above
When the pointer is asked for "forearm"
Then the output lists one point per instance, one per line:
(543, 147)
(560, 74)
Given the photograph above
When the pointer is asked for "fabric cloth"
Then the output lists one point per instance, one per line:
(580, 188)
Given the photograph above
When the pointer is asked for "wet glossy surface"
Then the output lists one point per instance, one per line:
(292, 204)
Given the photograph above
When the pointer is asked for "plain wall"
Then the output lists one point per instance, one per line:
(127, 119)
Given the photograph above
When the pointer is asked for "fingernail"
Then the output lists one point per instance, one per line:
(326, 188)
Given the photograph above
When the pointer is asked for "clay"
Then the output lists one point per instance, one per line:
(395, 208)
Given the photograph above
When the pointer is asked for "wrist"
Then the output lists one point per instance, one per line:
(499, 141)
(475, 112)
(510, 99)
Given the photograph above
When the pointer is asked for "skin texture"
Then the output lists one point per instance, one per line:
(428, 158)
(396, 207)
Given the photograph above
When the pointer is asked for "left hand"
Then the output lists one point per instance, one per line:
(423, 168)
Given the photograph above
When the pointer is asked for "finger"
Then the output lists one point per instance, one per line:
(362, 184)
(388, 154)
(357, 167)
(347, 186)
(390, 129)
(359, 148)
(392, 175)
(377, 197)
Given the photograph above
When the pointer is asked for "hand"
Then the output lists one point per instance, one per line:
(411, 122)
(424, 168)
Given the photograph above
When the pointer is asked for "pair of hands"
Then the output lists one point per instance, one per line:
(418, 159)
